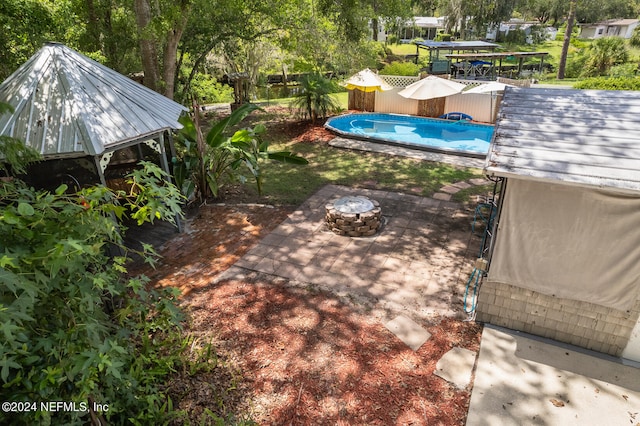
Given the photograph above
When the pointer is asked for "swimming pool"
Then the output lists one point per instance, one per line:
(459, 137)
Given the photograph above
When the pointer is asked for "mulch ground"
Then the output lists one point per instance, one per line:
(292, 355)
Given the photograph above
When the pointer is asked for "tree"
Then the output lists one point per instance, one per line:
(160, 27)
(567, 39)
(25, 24)
(477, 16)
(353, 17)
(75, 328)
(544, 11)
(589, 11)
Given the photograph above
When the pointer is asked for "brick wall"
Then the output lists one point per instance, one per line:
(579, 323)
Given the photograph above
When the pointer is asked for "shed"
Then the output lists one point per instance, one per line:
(564, 260)
(88, 121)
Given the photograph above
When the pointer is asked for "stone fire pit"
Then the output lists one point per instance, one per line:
(354, 216)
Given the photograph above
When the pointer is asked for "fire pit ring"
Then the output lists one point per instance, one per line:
(354, 216)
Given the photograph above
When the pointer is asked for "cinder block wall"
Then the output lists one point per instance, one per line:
(582, 324)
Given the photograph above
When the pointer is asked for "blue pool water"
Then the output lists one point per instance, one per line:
(459, 137)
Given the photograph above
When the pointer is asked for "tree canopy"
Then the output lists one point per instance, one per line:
(171, 42)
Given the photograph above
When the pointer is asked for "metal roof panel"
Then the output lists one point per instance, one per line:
(579, 137)
(66, 103)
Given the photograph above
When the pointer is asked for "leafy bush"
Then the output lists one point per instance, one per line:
(635, 37)
(75, 328)
(401, 68)
(517, 36)
(575, 65)
(392, 39)
(624, 70)
(207, 89)
(607, 83)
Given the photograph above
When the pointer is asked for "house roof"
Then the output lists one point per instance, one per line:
(624, 22)
(69, 105)
(428, 21)
(577, 137)
(611, 22)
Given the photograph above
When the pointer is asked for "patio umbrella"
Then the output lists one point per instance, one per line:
(367, 81)
(431, 87)
(491, 87)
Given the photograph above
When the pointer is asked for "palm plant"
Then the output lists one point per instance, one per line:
(205, 163)
(315, 99)
(603, 54)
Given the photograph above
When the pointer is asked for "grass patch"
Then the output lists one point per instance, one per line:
(341, 97)
(285, 184)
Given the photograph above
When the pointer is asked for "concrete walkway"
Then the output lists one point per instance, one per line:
(523, 380)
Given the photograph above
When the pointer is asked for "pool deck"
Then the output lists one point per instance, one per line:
(360, 145)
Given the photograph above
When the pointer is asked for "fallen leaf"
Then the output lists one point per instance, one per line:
(557, 403)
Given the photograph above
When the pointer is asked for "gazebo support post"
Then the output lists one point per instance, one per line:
(165, 166)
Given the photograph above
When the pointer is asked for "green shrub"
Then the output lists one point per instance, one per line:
(401, 68)
(392, 39)
(442, 37)
(517, 36)
(624, 70)
(207, 89)
(75, 328)
(608, 83)
(635, 37)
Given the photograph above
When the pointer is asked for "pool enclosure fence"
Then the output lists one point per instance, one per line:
(482, 107)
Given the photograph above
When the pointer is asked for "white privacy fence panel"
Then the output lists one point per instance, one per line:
(482, 107)
(479, 106)
(390, 101)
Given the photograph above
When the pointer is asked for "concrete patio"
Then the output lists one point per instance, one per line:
(417, 264)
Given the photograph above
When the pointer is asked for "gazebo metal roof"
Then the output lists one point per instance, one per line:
(577, 137)
(67, 105)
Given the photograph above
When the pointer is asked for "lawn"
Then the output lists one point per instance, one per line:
(285, 184)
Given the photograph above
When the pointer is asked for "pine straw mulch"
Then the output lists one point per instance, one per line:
(286, 354)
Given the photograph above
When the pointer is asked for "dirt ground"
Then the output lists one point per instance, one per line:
(291, 355)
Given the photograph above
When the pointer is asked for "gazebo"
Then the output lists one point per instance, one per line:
(90, 123)
(564, 259)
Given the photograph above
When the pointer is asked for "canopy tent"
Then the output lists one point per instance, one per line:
(366, 81)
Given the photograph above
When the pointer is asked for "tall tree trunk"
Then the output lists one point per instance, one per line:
(147, 44)
(374, 26)
(170, 65)
(567, 40)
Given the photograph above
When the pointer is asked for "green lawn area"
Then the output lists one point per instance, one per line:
(286, 184)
